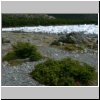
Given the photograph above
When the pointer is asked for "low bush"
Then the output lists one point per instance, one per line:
(55, 42)
(35, 56)
(23, 50)
(10, 56)
(65, 72)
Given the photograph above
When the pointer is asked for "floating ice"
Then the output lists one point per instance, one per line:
(90, 28)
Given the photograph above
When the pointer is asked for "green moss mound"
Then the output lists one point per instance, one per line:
(23, 50)
(65, 72)
(10, 56)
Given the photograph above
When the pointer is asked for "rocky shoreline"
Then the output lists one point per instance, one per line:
(19, 75)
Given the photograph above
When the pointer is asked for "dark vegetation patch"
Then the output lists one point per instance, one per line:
(14, 20)
(65, 72)
(23, 50)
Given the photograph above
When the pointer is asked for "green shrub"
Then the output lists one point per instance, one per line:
(10, 56)
(65, 72)
(23, 50)
(66, 81)
(35, 56)
(86, 74)
(55, 42)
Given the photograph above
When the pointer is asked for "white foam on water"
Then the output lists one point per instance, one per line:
(90, 28)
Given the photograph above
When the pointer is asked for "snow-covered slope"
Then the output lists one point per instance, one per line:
(92, 29)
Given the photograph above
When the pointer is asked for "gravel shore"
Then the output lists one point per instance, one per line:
(19, 75)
